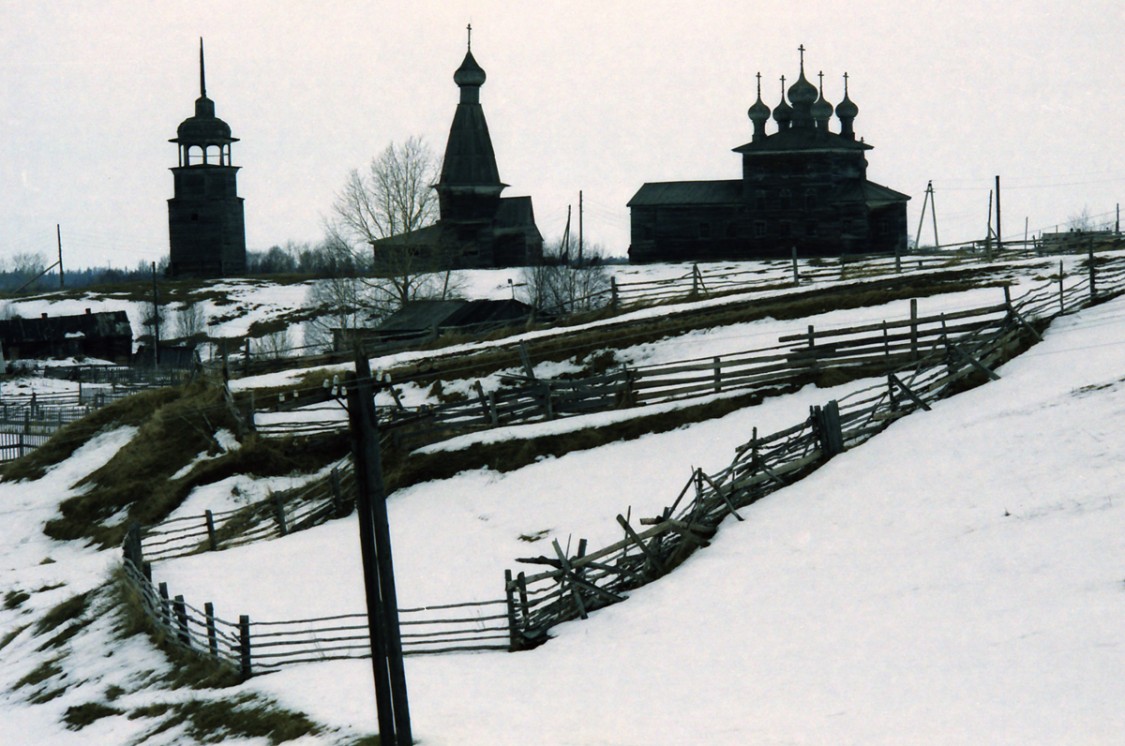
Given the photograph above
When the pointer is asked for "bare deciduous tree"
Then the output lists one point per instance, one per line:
(378, 214)
(558, 287)
(392, 197)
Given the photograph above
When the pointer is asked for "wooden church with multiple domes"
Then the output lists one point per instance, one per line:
(803, 188)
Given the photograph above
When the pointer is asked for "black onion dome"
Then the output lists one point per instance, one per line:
(846, 109)
(821, 109)
(758, 111)
(470, 73)
(802, 92)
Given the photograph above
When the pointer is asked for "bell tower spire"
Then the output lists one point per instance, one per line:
(202, 75)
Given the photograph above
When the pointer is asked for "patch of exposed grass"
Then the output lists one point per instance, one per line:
(13, 634)
(69, 610)
(45, 670)
(79, 716)
(216, 721)
(15, 599)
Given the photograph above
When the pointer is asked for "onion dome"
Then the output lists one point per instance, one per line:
(847, 111)
(821, 109)
(759, 113)
(470, 73)
(783, 112)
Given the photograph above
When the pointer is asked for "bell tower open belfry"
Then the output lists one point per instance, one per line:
(206, 227)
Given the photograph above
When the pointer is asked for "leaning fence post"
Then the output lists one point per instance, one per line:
(718, 365)
(513, 635)
(212, 633)
(244, 646)
(337, 493)
(914, 328)
(279, 515)
(1062, 297)
(212, 539)
(133, 551)
(179, 606)
(165, 613)
(1093, 289)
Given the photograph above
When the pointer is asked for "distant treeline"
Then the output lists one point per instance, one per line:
(326, 259)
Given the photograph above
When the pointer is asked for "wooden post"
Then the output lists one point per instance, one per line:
(718, 366)
(914, 328)
(179, 606)
(509, 594)
(1090, 261)
(486, 416)
(279, 515)
(212, 539)
(1062, 299)
(613, 296)
(999, 235)
(212, 632)
(165, 611)
(521, 579)
(133, 551)
(338, 506)
(375, 544)
(525, 359)
(244, 646)
(694, 280)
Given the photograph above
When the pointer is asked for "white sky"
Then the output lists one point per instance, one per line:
(583, 94)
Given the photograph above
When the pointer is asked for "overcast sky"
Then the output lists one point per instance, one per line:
(589, 95)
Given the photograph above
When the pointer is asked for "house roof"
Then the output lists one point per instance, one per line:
(424, 315)
(662, 193)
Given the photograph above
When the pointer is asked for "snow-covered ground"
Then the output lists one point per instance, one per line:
(958, 579)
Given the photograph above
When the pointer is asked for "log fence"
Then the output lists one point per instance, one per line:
(575, 585)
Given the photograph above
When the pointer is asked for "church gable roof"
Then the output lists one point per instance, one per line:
(662, 193)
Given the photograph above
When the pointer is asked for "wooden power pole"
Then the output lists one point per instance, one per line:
(999, 235)
(378, 567)
(58, 235)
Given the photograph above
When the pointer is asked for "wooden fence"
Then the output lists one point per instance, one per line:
(864, 351)
(252, 647)
(576, 584)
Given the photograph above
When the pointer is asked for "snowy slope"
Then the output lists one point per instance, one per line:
(959, 579)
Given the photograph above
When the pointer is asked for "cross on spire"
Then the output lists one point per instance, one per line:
(845, 85)
(759, 77)
(469, 28)
(801, 49)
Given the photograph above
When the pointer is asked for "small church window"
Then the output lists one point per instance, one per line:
(759, 229)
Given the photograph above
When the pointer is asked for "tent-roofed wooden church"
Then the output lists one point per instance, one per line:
(477, 227)
(802, 187)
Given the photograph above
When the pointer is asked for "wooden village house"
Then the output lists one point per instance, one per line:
(803, 187)
(102, 336)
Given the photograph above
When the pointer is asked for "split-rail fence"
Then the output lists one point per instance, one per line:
(574, 585)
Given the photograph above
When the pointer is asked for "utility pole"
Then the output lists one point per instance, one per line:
(999, 235)
(566, 239)
(579, 227)
(927, 200)
(988, 233)
(378, 567)
(58, 234)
